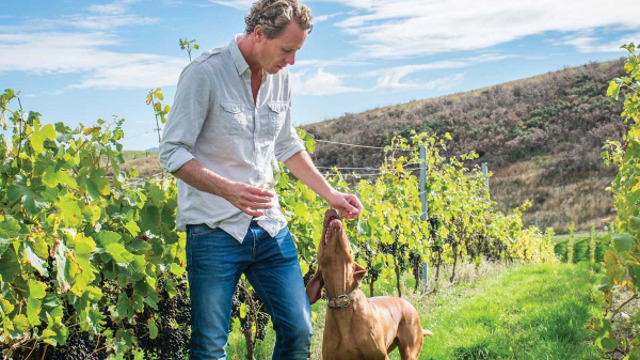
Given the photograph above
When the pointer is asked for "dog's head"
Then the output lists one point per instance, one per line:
(335, 258)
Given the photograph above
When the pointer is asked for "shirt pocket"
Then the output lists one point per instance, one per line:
(234, 118)
(277, 116)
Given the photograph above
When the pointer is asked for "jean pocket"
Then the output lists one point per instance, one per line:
(200, 230)
(286, 244)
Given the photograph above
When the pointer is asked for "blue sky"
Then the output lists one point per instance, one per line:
(77, 61)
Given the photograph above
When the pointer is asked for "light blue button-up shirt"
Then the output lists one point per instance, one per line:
(214, 120)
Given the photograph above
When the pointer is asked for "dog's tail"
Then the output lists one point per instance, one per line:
(426, 332)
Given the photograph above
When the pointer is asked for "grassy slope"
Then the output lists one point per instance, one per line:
(530, 312)
(146, 161)
(540, 136)
(524, 312)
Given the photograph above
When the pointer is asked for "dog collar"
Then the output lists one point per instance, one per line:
(341, 301)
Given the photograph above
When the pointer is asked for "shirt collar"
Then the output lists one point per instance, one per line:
(236, 55)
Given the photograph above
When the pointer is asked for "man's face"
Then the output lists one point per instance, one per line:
(277, 53)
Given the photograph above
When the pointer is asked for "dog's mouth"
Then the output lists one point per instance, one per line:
(331, 221)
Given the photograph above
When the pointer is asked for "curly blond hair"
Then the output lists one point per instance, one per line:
(275, 15)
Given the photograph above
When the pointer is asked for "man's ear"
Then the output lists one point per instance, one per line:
(314, 287)
(358, 273)
(258, 33)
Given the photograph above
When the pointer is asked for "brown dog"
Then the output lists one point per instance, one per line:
(356, 327)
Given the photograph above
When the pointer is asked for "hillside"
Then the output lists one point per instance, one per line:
(540, 136)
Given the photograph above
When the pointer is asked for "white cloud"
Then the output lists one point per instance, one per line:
(590, 44)
(402, 71)
(237, 4)
(55, 53)
(80, 21)
(151, 73)
(322, 82)
(105, 22)
(321, 18)
(319, 83)
(75, 44)
(116, 7)
(332, 62)
(63, 53)
(402, 28)
(393, 79)
(393, 82)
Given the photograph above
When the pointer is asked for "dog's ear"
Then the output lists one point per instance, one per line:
(314, 287)
(358, 273)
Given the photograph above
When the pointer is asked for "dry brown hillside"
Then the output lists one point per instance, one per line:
(540, 136)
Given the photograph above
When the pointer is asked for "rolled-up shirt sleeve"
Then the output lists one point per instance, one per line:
(288, 143)
(188, 114)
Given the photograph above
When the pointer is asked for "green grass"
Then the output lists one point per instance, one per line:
(582, 248)
(130, 155)
(523, 312)
(577, 237)
(529, 312)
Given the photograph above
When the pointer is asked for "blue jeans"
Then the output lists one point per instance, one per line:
(215, 262)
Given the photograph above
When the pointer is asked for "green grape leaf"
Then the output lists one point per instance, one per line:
(35, 261)
(607, 344)
(21, 322)
(94, 319)
(9, 229)
(31, 201)
(622, 242)
(634, 225)
(37, 289)
(33, 310)
(150, 216)
(123, 308)
(105, 238)
(9, 266)
(38, 137)
(133, 228)
(70, 212)
(61, 266)
(119, 254)
(100, 182)
(153, 328)
(126, 336)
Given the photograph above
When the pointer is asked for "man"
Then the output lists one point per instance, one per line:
(229, 124)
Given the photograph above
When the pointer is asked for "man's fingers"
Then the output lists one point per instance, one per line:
(252, 212)
(356, 204)
(255, 205)
(258, 199)
(351, 208)
(256, 191)
(251, 199)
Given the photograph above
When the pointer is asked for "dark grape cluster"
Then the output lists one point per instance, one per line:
(255, 311)
(173, 321)
(263, 325)
(79, 345)
(398, 253)
(372, 273)
(434, 225)
(415, 262)
(309, 275)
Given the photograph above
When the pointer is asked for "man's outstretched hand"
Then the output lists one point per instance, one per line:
(348, 205)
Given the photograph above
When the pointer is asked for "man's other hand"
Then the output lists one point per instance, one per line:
(249, 199)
